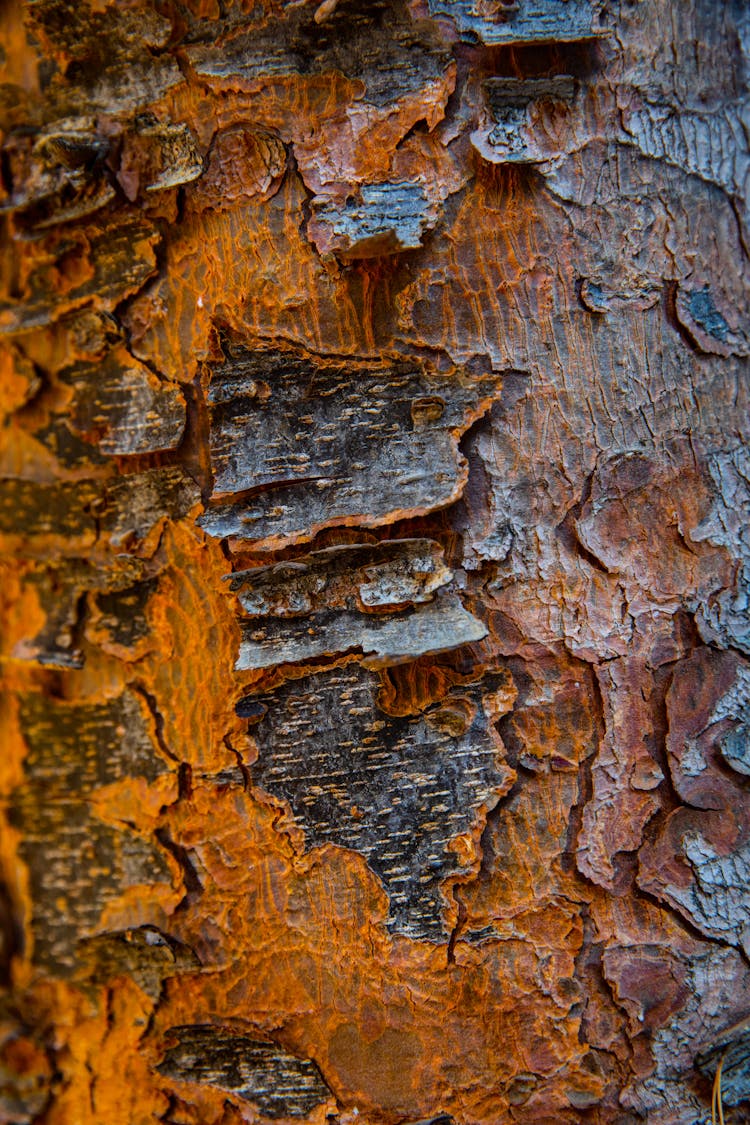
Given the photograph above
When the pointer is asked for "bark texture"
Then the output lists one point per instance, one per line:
(375, 576)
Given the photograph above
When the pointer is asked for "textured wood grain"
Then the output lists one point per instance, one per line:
(374, 569)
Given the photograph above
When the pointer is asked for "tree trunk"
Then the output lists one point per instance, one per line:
(375, 519)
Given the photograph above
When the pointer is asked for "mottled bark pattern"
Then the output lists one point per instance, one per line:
(275, 1081)
(374, 562)
(406, 793)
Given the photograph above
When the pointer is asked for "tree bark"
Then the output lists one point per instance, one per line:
(375, 530)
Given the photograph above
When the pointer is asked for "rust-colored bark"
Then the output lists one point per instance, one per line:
(375, 562)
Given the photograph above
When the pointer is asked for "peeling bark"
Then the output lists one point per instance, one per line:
(374, 562)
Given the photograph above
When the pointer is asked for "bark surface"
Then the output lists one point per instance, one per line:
(375, 562)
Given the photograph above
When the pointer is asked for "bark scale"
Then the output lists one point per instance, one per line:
(375, 527)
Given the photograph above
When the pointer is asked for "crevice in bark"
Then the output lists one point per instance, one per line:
(568, 857)
(152, 705)
(670, 311)
(193, 885)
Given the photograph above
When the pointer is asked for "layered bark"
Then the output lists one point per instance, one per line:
(374, 602)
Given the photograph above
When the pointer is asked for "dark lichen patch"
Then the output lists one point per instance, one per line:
(704, 313)
(397, 790)
(277, 1082)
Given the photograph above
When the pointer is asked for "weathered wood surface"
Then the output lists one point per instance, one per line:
(374, 562)
(407, 793)
(308, 445)
(279, 1084)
